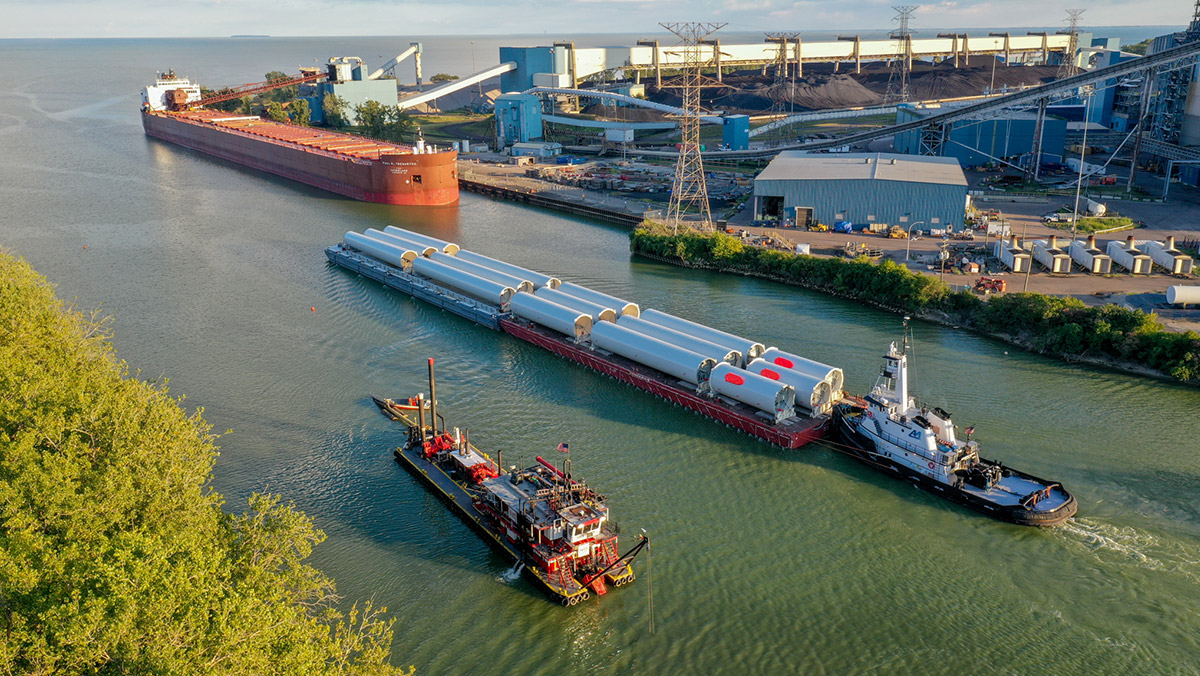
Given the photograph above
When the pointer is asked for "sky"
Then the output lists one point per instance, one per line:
(219, 18)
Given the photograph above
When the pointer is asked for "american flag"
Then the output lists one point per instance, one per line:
(970, 430)
(563, 448)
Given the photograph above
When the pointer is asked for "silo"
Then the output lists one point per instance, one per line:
(750, 350)
(539, 280)
(697, 345)
(762, 393)
(623, 307)
(812, 393)
(597, 312)
(440, 244)
(674, 361)
(480, 271)
(551, 315)
(421, 249)
(829, 374)
(388, 253)
(465, 282)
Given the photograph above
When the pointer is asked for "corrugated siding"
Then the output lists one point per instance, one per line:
(887, 201)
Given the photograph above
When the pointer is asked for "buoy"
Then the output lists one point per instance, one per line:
(85, 246)
(314, 309)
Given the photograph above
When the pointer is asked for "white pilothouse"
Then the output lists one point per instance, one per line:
(896, 434)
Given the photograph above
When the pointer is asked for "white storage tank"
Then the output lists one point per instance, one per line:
(465, 282)
(1011, 255)
(1183, 295)
(597, 312)
(750, 350)
(439, 244)
(421, 249)
(539, 280)
(770, 396)
(388, 253)
(1049, 255)
(480, 271)
(829, 374)
(1165, 254)
(671, 360)
(623, 307)
(551, 315)
(1127, 255)
(697, 345)
(812, 393)
(1089, 257)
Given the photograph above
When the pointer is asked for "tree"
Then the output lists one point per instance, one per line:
(301, 114)
(115, 554)
(387, 123)
(275, 111)
(283, 93)
(334, 107)
(1138, 48)
(443, 77)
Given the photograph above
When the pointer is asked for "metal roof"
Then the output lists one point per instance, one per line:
(800, 166)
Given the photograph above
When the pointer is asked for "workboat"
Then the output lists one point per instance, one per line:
(890, 431)
(552, 524)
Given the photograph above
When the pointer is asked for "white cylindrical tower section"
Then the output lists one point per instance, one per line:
(439, 244)
(388, 253)
(750, 350)
(421, 249)
(551, 315)
(623, 307)
(762, 393)
(697, 345)
(480, 271)
(597, 312)
(465, 282)
(674, 361)
(829, 374)
(812, 393)
(539, 280)
(1183, 295)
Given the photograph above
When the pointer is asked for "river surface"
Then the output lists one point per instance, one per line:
(764, 561)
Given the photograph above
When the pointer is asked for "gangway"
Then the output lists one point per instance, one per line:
(456, 85)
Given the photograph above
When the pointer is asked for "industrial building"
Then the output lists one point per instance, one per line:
(976, 142)
(862, 188)
(518, 119)
(348, 79)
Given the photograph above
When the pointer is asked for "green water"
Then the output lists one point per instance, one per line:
(764, 562)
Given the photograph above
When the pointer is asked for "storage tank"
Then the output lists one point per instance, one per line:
(598, 313)
(421, 249)
(465, 282)
(1126, 255)
(439, 244)
(623, 307)
(812, 393)
(750, 350)
(697, 345)
(1183, 295)
(388, 253)
(1172, 260)
(539, 280)
(1095, 208)
(671, 360)
(762, 393)
(1089, 257)
(551, 315)
(1011, 255)
(829, 374)
(1049, 255)
(480, 271)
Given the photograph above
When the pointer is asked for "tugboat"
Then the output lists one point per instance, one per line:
(553, 525)
(888, 430)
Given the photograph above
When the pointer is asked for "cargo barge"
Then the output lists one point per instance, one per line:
(354, 166)
(552, 525)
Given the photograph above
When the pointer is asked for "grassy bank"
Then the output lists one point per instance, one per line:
(1064, 327)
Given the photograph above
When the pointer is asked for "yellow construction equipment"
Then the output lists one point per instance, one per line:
(818, 227)
(897, 232)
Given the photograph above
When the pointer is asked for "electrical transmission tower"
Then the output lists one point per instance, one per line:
(689, 190)
(901, 67)
(780, 106)
(1068, 66)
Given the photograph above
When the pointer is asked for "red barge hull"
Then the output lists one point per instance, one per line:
(359, 168)
(792, 433)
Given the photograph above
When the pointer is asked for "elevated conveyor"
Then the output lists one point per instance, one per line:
(457, 85)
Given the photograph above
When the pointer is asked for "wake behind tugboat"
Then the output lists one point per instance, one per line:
(891, 432)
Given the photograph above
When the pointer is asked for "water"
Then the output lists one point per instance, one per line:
(764, 562)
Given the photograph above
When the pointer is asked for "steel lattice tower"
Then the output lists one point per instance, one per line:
(1068, 66)
(689, 189)
(898, 80)
(782, 72)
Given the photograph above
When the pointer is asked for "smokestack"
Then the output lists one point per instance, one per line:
(1091, 241)
(1170, 242)
(1053, 241)
(1129, 245)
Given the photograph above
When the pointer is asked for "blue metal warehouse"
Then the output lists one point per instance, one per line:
(976, 142)
(863, 188)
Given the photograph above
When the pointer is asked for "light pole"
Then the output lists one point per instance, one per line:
(1082, 153)
(908, 244)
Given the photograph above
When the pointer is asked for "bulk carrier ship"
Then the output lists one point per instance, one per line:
(357, 167)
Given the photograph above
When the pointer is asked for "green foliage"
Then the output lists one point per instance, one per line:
(1138, 47)
(334, 108)
(1091, 224)
(275, 111)
(387, 123)
(443, 77)
(115, 554)
(283, 93)
(300, 113)
(227, 106)
(1063, 326)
